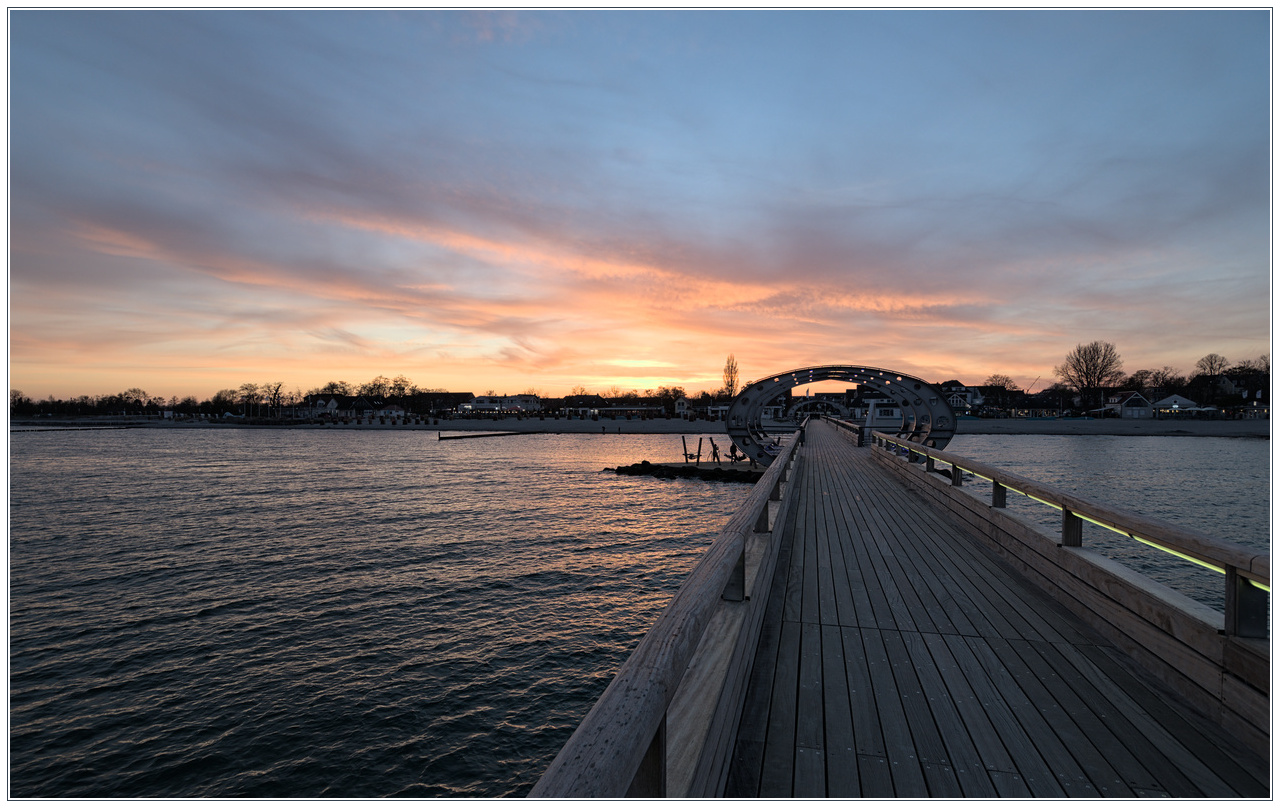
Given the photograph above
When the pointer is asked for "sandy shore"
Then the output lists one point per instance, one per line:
(1114, 426)
(969, 426)
(673, 426)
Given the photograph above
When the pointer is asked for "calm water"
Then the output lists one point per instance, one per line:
(249, 613)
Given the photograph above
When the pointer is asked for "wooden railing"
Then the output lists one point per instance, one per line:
(665, 724)
(1247, 572)
(1220, 660)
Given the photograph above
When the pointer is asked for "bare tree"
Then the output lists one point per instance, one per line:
(250, 394)
(578, 390)
(272, 392)
(401, 386)
(1167, 377)
(336, 389)
(730, 376)
(377, 386)
(1091, 369)
(1001, 380)
(1212, 364)
(223, 401)
(1139, 380)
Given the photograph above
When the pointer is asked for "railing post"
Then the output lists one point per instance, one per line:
(762, 521)
(736, 588)
(651, 777)
(1072, 529)
(998, 492)
(928, 463)
(957, 478)
(1246, 607)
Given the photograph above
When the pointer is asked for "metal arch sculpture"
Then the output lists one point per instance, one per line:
(808, 405)
(927, 418)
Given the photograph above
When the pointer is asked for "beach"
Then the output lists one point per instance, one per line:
(1250, 428)
(1259, 428)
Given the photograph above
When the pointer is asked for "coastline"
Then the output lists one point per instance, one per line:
(1254, 428)
(1257, 428)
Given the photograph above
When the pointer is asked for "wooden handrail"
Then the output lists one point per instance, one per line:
(1199, 546)
(625, 729)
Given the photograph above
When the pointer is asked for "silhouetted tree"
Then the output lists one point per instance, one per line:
(250, 395)
(1001, 380)
(1212, 364)
(273, 393)
(730, 376)
(1090, 369)
(379, 386)
(401, 386)
(223, 401)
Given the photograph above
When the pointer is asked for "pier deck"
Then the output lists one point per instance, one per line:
(900, 658)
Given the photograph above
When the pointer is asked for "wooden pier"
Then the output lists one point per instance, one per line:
(865, 642)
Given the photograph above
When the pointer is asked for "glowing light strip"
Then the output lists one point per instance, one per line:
(1193, 560)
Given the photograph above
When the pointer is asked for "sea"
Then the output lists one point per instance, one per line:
(259, 613)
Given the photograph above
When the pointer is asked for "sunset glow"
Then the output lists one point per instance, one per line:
(538, 200)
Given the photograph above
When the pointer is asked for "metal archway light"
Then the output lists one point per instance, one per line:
(927, 418)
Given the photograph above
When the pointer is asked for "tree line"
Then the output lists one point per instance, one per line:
(1089, 370)
(265, 399)
(1094, 369)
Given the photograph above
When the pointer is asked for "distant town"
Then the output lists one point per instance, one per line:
(1089, 383)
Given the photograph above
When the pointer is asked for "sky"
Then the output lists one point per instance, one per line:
(528, 200)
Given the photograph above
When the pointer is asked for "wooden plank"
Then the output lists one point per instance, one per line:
(912, 592)
(809, 612)
(987, 745)
(1197, 749)
(826, 534)
(973, 599)
(930, 750)
(810, 773)
(809, 711)
(1091, 710)
(1072, 779)
(837, 719)
(899, 593)
(1028, 764)
(999, 596)
(1063, 722)
(960, 752)
(779, 750)
(867, 737)
(904, 764)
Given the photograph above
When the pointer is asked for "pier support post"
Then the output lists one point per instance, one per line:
(1246, 607)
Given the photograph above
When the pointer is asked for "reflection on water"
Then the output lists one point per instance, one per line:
(284, 614)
